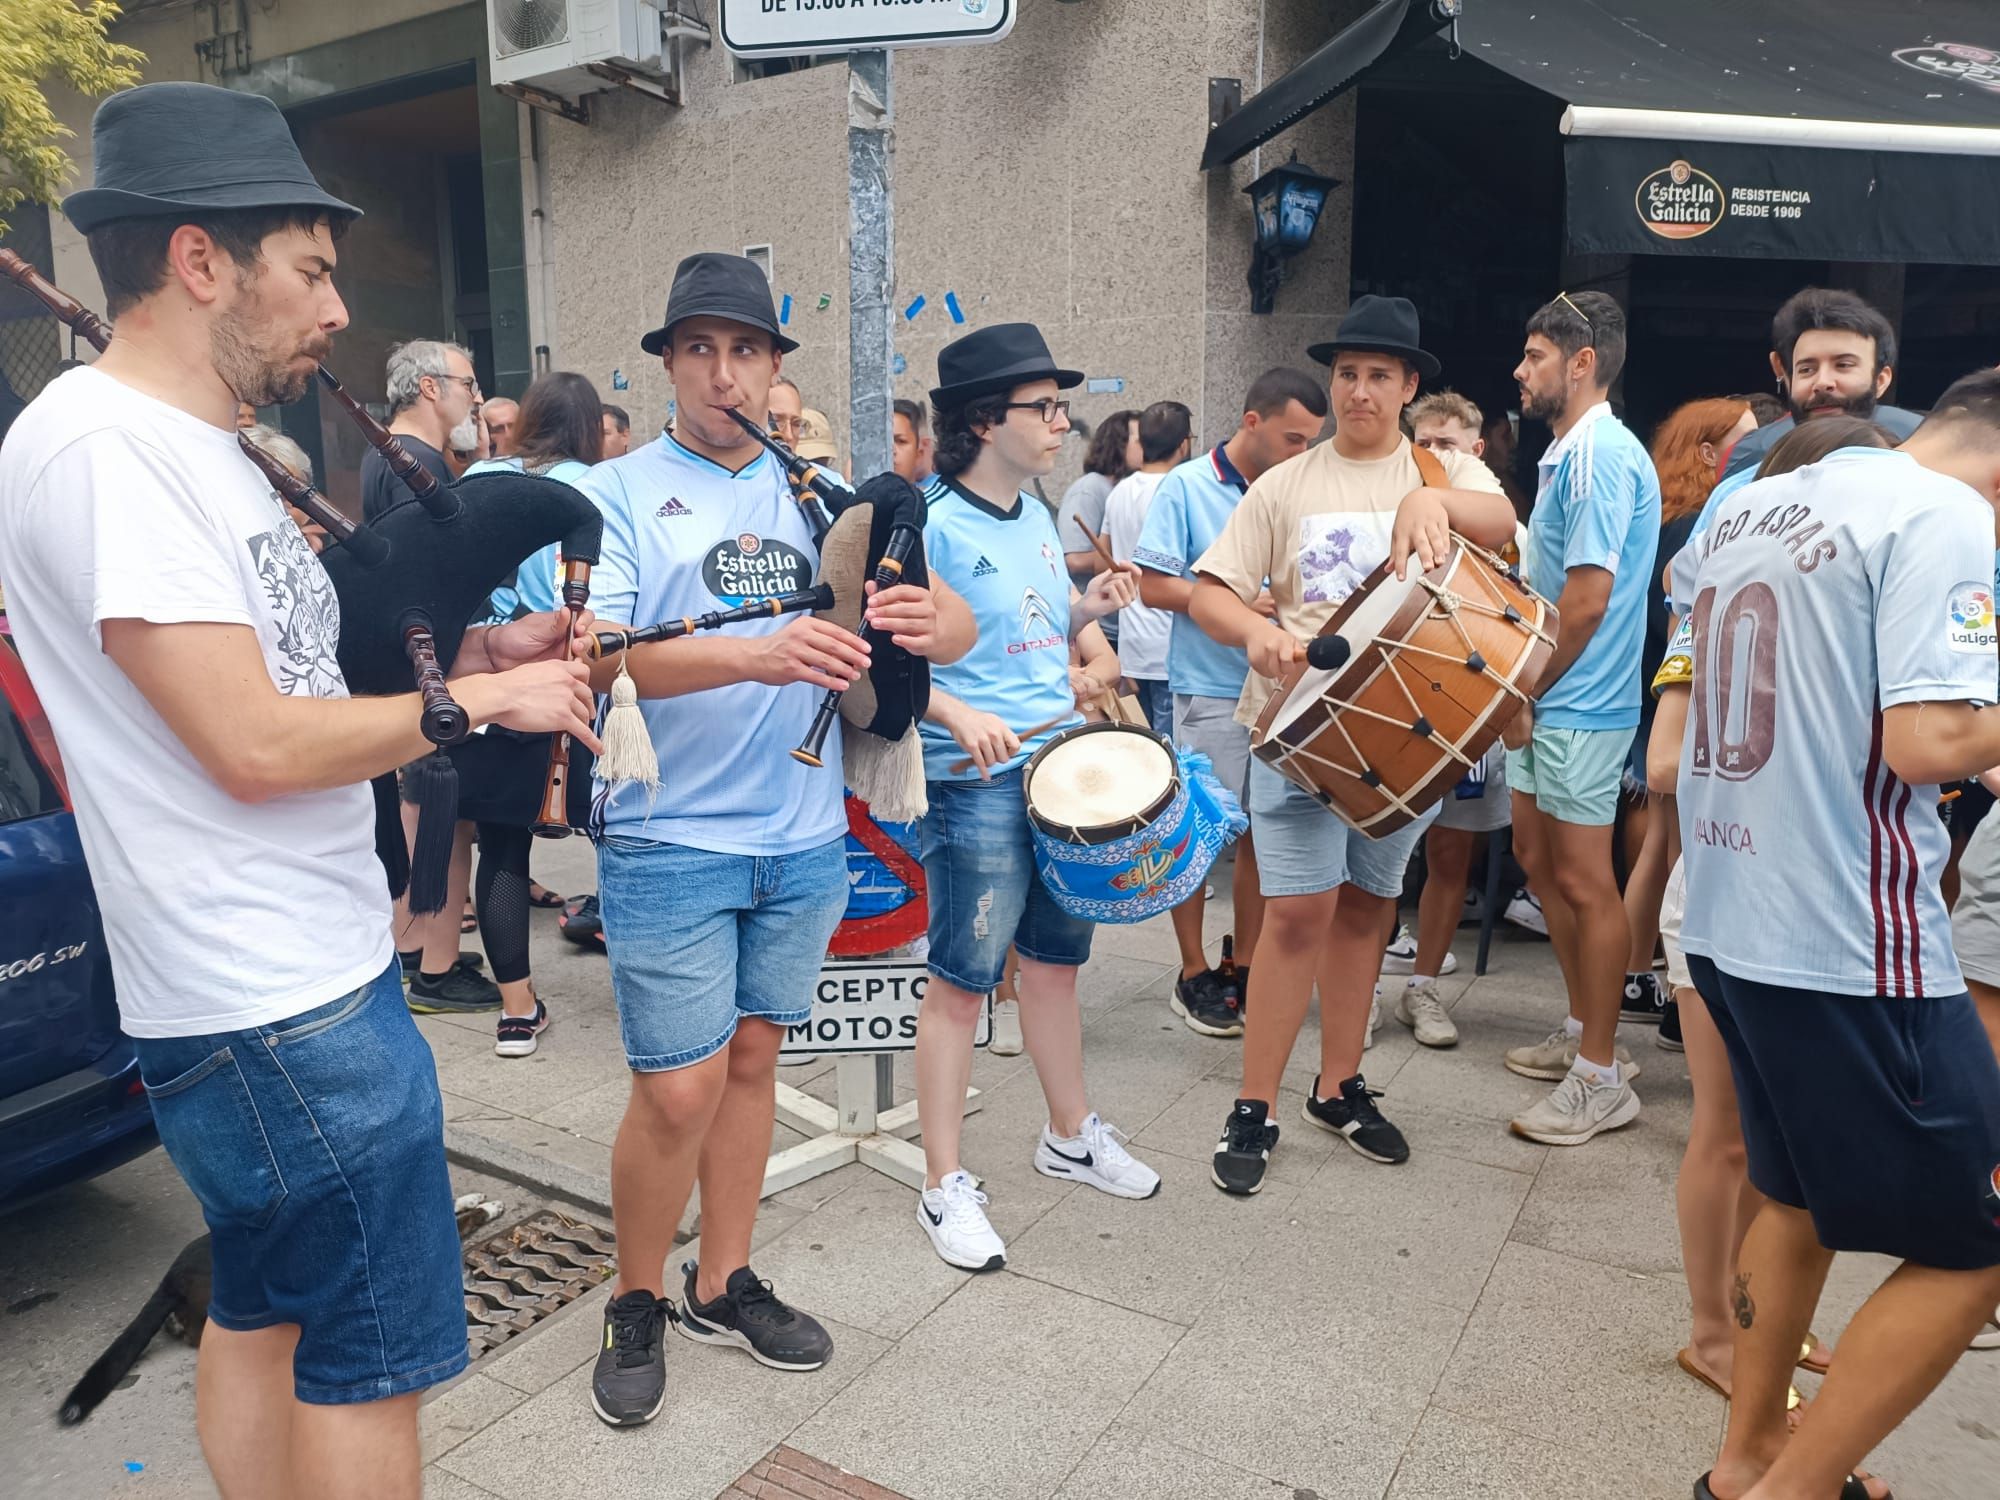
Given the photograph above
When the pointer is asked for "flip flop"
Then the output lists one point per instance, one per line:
(1852, 1489)
(548, 900)
(1793, 1400)
(1812, 1346)
(468, 923)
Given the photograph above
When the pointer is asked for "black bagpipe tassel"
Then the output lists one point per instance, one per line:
(437, 817)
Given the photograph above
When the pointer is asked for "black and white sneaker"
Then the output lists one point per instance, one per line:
(1244, 1149)
(749, 1316)
(514, 1036)
(1644, 1001)
(1670, 1028)
(1207, 1006)
(629, 1385)
(1353, 1117)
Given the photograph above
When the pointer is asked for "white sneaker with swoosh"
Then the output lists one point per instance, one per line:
(1096, 1156)
(954, 1216)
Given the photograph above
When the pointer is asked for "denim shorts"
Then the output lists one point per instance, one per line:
(315, 1146)
(1302, 849)
(700, 940)
(1574, 775)
(979, 868)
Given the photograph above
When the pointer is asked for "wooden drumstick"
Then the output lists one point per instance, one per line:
(1098, 543)
(960, 767)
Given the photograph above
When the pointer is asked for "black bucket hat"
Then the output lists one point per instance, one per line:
(712, 285)
(1379, 325)
(996, 359)
(178, 148)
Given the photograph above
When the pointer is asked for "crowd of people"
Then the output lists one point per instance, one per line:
(1777, 640)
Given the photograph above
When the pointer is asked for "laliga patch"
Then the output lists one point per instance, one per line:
(1969, 623)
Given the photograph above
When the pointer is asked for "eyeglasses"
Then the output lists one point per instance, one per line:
(1563, 298)
(787, 426)
(1048, 408)
(470, 382)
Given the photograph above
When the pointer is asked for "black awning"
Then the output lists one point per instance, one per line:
(1794, 129)
(1387, 29)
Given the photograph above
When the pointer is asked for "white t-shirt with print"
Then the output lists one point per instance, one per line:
(218, 914)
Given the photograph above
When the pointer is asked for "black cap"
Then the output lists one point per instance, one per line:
(1379, 325)
(181, 148)
(712, 285)
(996, 359)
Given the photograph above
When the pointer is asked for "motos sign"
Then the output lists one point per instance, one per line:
(866, 1005)
(767, 28)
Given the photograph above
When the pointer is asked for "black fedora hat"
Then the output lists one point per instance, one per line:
(178, 148)
(1379, 325)
(996, 359)
(712, 285)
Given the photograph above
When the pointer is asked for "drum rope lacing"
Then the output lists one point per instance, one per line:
(1447, 604)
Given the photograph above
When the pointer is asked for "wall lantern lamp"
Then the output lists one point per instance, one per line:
(1285, 205)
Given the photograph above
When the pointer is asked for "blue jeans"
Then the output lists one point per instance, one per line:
(699, 940)
(1158, 702)
(979, 866)
(315, 1146)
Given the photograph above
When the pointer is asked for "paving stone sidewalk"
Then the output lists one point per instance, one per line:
(1493, 1319)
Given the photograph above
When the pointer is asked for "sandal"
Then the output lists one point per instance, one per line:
(541, 896)
(1814, 1358)
(1794, 1402)
(1852, 1489)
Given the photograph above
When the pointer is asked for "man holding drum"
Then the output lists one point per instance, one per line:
(1000, 425)
(1591, 539)
(1318, 526)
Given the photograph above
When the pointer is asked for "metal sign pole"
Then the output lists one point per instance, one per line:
(871, 247)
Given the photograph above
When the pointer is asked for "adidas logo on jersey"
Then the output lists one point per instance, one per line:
(983, 568)
(673, 507)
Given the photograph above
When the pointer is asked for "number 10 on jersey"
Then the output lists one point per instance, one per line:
(1735, 682)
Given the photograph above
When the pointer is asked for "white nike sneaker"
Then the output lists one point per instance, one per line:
(1576, 1110)
(1550, 1058)
(1400, 957)
(1525, 912)
(1097, 1157)
(954, 1215)
(1006, 1040)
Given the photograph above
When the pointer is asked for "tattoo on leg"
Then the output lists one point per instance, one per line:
(1740, 1303)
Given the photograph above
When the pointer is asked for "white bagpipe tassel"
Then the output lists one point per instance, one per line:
(628, 744)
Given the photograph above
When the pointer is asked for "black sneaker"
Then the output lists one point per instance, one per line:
(1353, 1117)
(1207, 1006)
(629, 1385)
(515, 1035)
(749, 1316)
(1245, 1148)
(1670, 1028)
(581, 922)
(413, 962)
(1644, 1001)
(457, 990)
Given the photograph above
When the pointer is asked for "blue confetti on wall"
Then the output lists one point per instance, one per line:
(899, 364)
(914, 308)
(785, 310)
(132, 1467)
(951, 306)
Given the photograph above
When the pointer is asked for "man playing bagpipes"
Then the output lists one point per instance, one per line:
(183, 637)
(721, 883)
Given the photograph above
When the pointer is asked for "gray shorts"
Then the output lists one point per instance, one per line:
(1303, 849)
(1486, 812)
(1975, 921)
(1209, 725)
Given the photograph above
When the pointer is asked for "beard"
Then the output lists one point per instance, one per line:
(465, 436)
(1542, 406)
(1860, 405)
(252, 362)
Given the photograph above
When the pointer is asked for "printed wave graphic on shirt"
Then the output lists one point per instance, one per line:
(1038, 625)
(673, 507)
(984, 567)
(1335, 557)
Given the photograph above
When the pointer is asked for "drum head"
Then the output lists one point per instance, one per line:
(1101, 776)
(1368, 614)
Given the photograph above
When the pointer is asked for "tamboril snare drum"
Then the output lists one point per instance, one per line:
(1438, 664)
(1124, 826)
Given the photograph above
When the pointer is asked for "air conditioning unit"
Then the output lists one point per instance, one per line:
(555, 53)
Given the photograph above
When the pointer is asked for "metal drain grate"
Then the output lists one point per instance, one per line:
(516, 1279)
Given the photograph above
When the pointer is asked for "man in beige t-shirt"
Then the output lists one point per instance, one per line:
(1317, 526)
